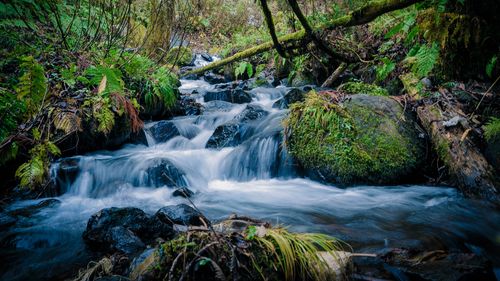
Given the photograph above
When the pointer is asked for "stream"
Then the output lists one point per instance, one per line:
(255, 178)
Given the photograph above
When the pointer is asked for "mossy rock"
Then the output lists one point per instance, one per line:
(365, 139)
(180, 55)
(363, 88)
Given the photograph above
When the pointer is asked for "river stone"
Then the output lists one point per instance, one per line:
(124, 229)
(213, 78)
(236, 131)
(183, 192)
(233, 96)
(165, 173)
(292, 96)
(163, 131)
(181, 214)
(124, 240)
(217, 106)
(32, 209)
(374, 141)
(6, 220)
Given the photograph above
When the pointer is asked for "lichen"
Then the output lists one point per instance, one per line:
(348, 142)
(179, 56)
(363, 88)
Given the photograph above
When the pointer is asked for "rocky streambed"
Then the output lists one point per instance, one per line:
(226, 155)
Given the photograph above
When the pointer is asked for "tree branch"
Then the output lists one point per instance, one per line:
(360, 16)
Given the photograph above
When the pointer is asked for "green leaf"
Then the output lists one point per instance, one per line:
(491, 65)
(251, 232)
(203, 261)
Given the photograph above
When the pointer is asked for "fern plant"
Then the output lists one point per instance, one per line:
(33, 173)
(492, 129)
(423, 58)
(242, 68)
(32, 86)
(164, 85)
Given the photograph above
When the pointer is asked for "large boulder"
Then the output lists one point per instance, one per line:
(164, 131)
(124, 229)
(292, 96)
(364, 139)
(237, 130)
(165, 173)
(181, 214)
(233, 96)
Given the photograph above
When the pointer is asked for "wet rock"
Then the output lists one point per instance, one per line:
(207, 57)
(124, 229)
(237, 130)
(67, 172)
(139, 138)
(164, 131)
(31, 210)
(213, 78)
(189, 106)
(143, 267)
(233, 96)
(112, 278)
(437, 265)
(183, 192)
(385, 132)
(250, 113)
(181, 214)
(165, 173)
(124, 240)
(292, 96)
(217, 106)
(226, 135)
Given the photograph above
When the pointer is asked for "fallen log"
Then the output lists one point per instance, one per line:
(450, 137)
(360, 16)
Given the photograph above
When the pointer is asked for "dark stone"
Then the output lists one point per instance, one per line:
(217, 106)
(437, 265)
(183, 192)
(112, 278)
(124, 240)
(67, 171)
(139, 138)
(164, 131)
(190, 77)
(233, 96)
(226, 135)
(250, 113)
(213, 78)
(124, 229)
(166, 173)
(207, 57)
(181, 214)
(292, 96)
(189, 106)
(30, 210)
(236, 131)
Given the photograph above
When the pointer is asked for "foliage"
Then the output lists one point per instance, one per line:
(32, 86)
(164, 88)
(383, 70)
(423, 58)
(33, 173)
(363, 88)
(492, 129)
(346, 143)
(242, 68)
(491, 66)
(179, 55)
(295, 254)
(11, 111)
(112, 77)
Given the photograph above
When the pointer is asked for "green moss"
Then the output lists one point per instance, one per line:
(363, 88)
(350, 142)
(492, 129)
(179, 55)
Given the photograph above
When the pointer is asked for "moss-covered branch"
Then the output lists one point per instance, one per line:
(357, 17)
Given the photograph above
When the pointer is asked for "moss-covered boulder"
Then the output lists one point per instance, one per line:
(364, 139)
(180, 55)
(363, 88)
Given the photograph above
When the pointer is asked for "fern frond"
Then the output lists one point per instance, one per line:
(32, 85)
(31, 173)
(423, 59)
(66, 121)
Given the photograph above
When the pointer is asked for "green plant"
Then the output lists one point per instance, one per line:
(32, 86)
(492, 129)
(242, 68)
(296, 254)
(363, 88)
(423, 58)
(491, 66)
(164, 87)
(383, 70)
(33, 173)
(111, 76)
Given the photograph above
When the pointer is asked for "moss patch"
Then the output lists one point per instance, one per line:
(365, 139)
(363, 88)
(179, 55)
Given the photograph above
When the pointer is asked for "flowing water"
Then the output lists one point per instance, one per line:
(256, 178)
